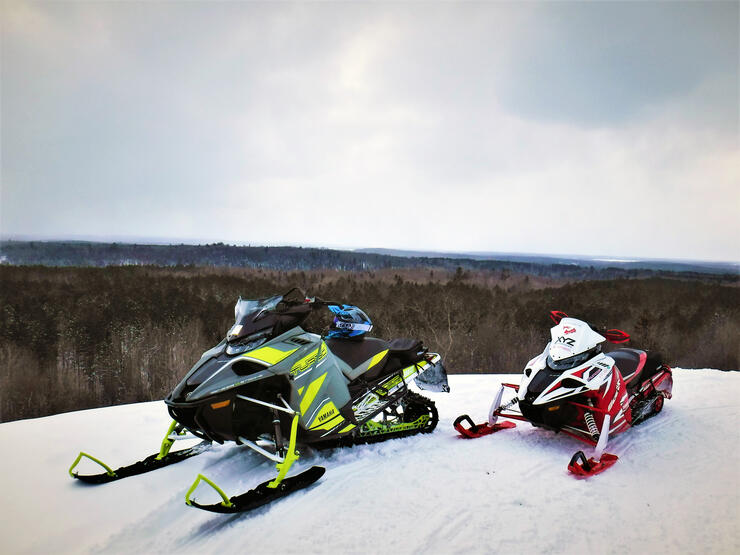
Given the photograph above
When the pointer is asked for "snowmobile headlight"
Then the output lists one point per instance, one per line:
(235, 330)
(237, 348)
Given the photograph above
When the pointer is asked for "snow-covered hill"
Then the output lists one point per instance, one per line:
(675, 488)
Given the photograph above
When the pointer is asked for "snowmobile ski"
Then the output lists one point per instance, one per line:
(479, 430)
(267, 491)
(257, 497)
(490, 427)
(152, 462)
(582, 467)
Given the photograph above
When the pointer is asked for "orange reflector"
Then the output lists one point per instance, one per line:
(556, 407)
(221, 405)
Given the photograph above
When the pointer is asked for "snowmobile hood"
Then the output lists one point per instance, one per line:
(218, 370)
(214, 374)
(550, 385)
(572, 337)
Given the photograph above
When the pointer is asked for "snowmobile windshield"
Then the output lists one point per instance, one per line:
(246, 310)
(570, 362)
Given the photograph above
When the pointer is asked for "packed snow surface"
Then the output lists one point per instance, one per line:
(673, 490)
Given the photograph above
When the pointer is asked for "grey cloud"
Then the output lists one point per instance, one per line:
(206, 120)
(603, 63)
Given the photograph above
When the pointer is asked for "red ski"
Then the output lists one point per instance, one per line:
(479, 430)
(582, 467)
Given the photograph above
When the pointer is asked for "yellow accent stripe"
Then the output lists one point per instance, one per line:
(336, 421)
(327, 412)
(300, 390)
(309, 360)
(313, 389)
(270, 355)
(408, 371)
(346, 428)
(377, 358)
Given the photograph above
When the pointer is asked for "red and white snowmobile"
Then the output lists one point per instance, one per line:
(574, 388)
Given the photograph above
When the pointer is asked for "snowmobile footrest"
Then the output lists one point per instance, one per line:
(257, 497)
(479, 430)
(582, 467)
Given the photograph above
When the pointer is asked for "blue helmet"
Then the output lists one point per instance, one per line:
(349, 321)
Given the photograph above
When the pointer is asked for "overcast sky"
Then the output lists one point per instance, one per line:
(583, 128)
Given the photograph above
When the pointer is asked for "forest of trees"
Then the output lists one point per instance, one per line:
(74, 338)
(79, 253)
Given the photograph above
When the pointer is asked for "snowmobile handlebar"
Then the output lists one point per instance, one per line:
(301, 298)
(317, 302)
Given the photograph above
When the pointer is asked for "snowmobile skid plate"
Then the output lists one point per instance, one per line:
(152, 462)
(479, 430)
(583, 468)
(257, 497)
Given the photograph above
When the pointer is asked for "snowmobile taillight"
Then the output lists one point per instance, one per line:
(221, 404)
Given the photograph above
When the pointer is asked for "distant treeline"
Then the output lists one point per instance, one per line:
(58, 253)
(74, 338)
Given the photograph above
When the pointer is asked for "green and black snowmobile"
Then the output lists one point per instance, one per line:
(270, 385)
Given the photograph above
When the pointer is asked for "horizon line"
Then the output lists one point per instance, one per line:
(403, 252)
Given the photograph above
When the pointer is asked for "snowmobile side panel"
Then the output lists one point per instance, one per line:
(317, 379)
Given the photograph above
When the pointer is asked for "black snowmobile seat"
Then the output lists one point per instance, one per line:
(406, 350)
(356, 351)
(628, 363)
(401, 353)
